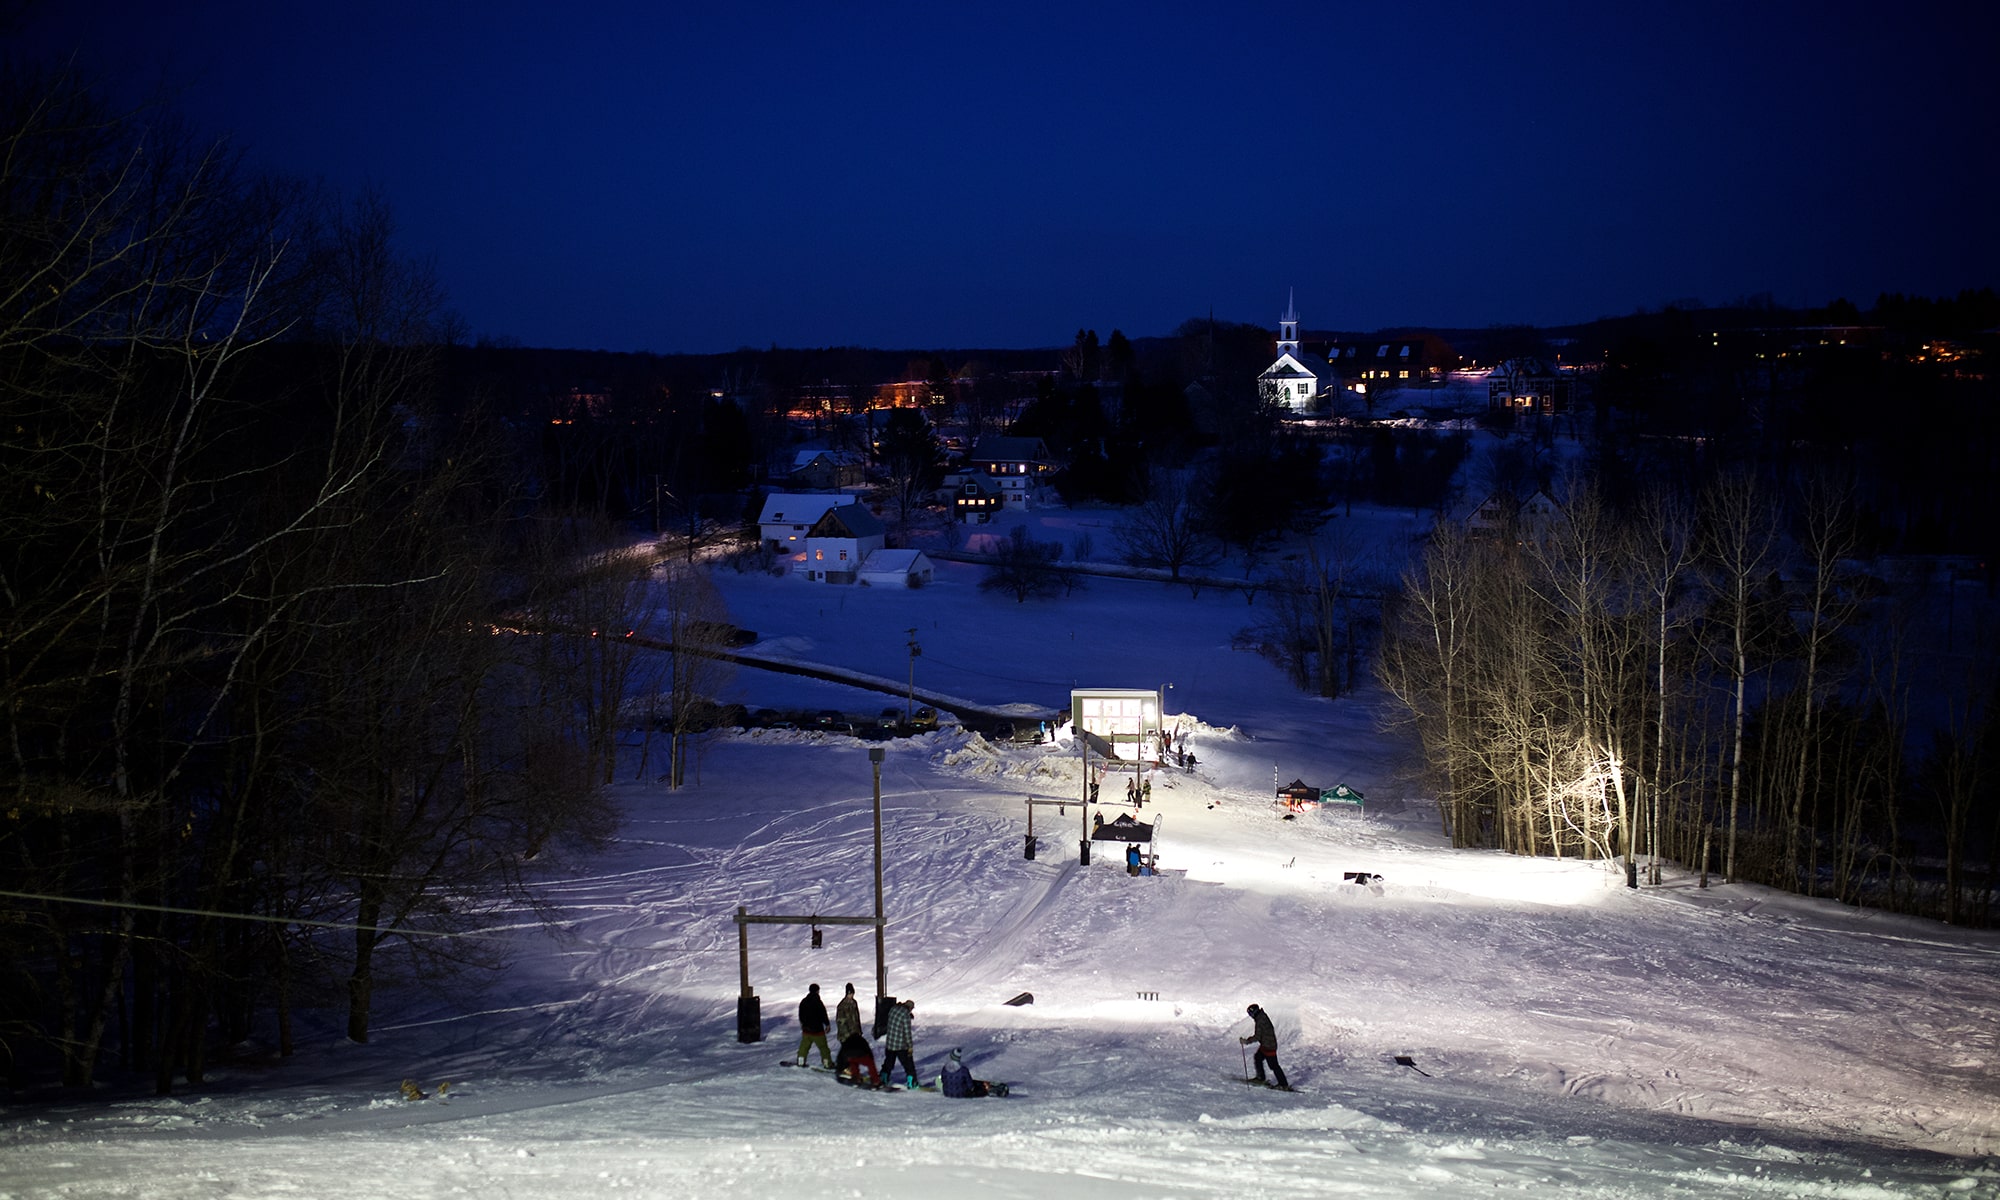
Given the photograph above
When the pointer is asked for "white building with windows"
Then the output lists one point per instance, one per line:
(1297, 381)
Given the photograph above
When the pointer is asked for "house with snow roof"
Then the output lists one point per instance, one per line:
(895, 568)
(824, 470)
(787, 517)
(840, 540)
(1016, 467)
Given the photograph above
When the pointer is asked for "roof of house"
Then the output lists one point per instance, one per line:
(846, 521)
(805, 458)
(894, 562)
(1009, 449)
(1297, 366)
(795, 508)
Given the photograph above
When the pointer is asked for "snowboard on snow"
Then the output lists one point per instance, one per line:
(793, 1062)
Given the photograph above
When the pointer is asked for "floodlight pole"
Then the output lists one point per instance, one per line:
(910, 700)
(1076, 727)
(881, 963)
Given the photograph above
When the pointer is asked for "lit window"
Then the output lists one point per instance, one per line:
(1403, 353)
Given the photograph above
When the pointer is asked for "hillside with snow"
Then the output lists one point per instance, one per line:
(1456, 1023)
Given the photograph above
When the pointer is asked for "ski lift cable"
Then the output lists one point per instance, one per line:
(231, 916)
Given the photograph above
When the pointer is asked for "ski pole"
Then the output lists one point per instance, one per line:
(1246, 1060)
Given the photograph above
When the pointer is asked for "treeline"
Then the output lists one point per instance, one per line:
(267, 739)
(1703, 676)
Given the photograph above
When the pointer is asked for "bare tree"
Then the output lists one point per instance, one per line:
(688, 613)
(1164, 530)
(1740, 542)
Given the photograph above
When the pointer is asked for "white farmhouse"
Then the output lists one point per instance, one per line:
(839, 541)
(788, 516)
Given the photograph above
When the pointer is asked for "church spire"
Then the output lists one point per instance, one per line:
(1288, 325)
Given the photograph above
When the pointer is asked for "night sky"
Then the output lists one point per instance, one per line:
(680, 177)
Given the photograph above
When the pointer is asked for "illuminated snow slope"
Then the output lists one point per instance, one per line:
(1575, 1037)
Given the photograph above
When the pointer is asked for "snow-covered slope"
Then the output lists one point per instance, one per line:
(1566, 1033)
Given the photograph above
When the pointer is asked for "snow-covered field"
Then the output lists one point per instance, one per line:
(1567, 1035)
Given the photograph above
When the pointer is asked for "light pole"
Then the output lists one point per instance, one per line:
(881, 965)
(1084, 746)
(910, 700)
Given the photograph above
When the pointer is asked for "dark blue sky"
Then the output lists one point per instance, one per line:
(678, 177)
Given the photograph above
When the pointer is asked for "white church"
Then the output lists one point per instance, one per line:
(1297, 381)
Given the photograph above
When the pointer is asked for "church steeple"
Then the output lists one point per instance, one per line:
(1288, 326)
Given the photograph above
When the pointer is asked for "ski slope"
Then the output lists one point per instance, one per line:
(1572, 1035)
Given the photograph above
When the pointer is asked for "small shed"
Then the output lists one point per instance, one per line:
(895, 568)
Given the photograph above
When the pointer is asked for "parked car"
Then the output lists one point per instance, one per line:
(831, 721)
(924, 718)
(890, 718)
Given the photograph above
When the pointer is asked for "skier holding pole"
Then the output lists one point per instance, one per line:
(1266, 1038)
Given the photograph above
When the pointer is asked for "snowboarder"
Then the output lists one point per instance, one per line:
(1132, 792)
(855, 1057)
(898, 1042)
(1267, 1047)
(957, 1081)
(847, 1017)
(812, 1027)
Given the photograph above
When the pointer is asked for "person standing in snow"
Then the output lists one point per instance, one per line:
(898, 1042)
(812, 1027)
(1266, 1038)
(847, 1017)
(1131, 858)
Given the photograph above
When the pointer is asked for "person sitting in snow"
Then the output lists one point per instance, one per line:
(812, 1027)
(1266, 1038)
(898, 1043)
(957, 1081)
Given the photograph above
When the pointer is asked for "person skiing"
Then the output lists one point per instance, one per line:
(898, 1042)
(1266, 1038)
(847, 1017)
(957, 1081)
(812, 1027)
(856, 1056)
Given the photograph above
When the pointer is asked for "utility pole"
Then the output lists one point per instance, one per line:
(881, 963)
(910, 700)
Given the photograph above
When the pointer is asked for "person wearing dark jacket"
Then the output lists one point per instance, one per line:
(855, 1057)
(957, 1081)
(812, 1027)
(1267, 1046)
